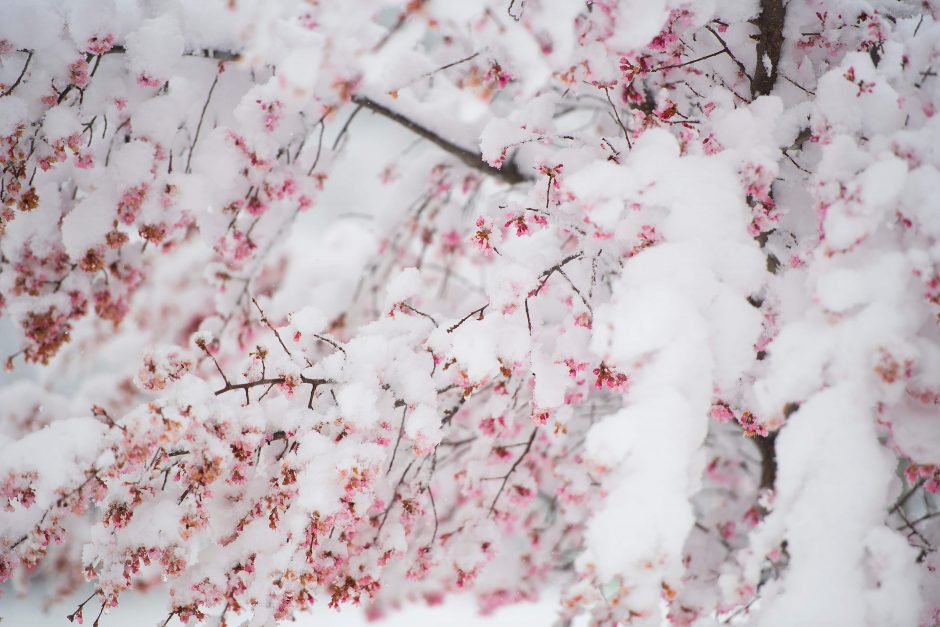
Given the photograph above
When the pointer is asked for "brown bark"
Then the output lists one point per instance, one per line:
(770, 24)
(769, 45)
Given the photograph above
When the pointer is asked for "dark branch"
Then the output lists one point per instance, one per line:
(685, 63)
(420, 313)
(769, 44)
(766, 445)
(313, 383)
(267, 323)
(479, 311)
(316, 159)
(202, 116)
(509, 173)
(330, 342)
(218, 55)
(391, 502)
(623, 127)
(345, 128)
(401, 431)
(505, 478)
(907, 495)
(29, 57)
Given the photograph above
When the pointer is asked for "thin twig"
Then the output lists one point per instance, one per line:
(330, 342)
(19, 78)
(420, 313)
(316, 159)
(267, 323)
(441, 69)
(479, 310)
(392, 501)
(577, 291)
(623, 127)
(401, 430)
(662, 68)
(343, 130)
(433, 509)
(907, 495)
(201, 344)
(515, 464)
(728, 50)
(202, 115)
(795, 84)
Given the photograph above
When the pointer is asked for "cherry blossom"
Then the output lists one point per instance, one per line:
(312, 305)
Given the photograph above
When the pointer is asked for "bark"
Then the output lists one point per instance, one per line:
(769, 44)
(770, 24)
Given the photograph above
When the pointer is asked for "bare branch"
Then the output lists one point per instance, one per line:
(342, 131)
(330, 342)
(401, 431)
(267, 323)
(392, 501)
(202, 115)
(316, 159)
(509, 173)
(512, 469)
(623, 127)
(479, 310)
(9, 90)
(420, 313)
(685, 63)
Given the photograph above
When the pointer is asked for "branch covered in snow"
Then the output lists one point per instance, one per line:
(637, 301)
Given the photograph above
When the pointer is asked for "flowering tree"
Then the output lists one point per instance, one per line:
(645, 307)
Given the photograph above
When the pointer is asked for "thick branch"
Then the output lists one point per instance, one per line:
(508, 173)
(769, 44)
(768, 459)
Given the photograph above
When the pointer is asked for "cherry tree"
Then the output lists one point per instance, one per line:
(641, 305)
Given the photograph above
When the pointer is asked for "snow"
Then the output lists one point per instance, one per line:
(357, 404)
(308, 321)
(74, 443)
(833, 534)
(12, 113)
(155, 47)
(275, 349)
(403, 287)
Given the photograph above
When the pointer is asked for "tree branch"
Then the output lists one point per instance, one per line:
(509, 173)
(766, 445)
(29, 57)
(478, 310)
(202, 116)
(505, 478)
(769, 44)
(218, 55)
